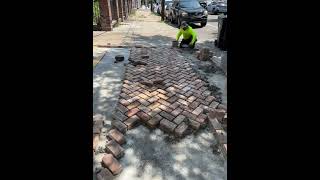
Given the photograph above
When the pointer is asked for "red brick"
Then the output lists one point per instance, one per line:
(191, 99)
(153, 99)
(112, 164)
(143, 96)
(181, 96)
(121, 108)
(95, 141)
(124, 96)
(176, 112)
(154, 112)
(189, 115)
(158, 80)
(143, 116)
(119, 125)
(189, 93)
(214, 104)
(209, 99)
(198, 110)
(181, 129)
(165, 108)
(154, 105)
(153, 122)
(133, 105)
(162, 96)
(164, 102)
(167, 115)
(117, 136)
(162, 91)
(202, 119)
(217, 113)
(221, 106)
(169, 95)
(179, 119)
(132, 112)
(132, 121)
(194, 124)
(104, 174)
(144, 102)
(115, 149)
(124, 102)
(206, 93)
(144, 108)
(173, 99)
(147, 83)
(183, 102)
(167, 126)
(117, 115)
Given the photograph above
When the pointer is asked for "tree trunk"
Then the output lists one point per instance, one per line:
(162, 9)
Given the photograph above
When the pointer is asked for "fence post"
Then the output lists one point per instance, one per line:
(105, 15)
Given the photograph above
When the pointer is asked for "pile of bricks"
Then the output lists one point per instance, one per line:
(111, 150)
(218, 124)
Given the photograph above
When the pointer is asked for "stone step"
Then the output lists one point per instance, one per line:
(117, 136)
(115, 149)
(112, 164)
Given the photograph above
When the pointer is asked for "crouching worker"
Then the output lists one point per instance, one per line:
(189, 35)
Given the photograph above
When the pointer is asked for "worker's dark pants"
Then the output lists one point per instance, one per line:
(187, 42)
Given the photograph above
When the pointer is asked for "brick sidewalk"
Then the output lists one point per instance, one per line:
(164, 93)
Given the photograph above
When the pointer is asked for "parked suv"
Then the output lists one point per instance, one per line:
(188, 10)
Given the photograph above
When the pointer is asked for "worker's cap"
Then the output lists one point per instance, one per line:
(184, 24)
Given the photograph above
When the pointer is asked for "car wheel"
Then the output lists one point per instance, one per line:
(203, 24)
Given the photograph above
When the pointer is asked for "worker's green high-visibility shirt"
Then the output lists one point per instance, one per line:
(187, 34)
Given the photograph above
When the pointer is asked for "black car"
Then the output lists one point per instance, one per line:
(188, 10)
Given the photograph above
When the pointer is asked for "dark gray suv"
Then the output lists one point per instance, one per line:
(188, 10)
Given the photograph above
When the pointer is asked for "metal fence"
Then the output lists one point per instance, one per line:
(96, 12)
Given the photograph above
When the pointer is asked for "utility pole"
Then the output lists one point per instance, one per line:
(162, 10)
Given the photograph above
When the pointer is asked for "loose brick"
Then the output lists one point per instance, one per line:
(117, 115)
(167, 126)
(179, 119)
(215, 124)
(202, 119)
(119, 126)
(153, 99)
(176, 112)
(132, 112)
(153, 122)
(181, 129)
(197, 111)
(167, 115)
(214, 104)
(95, 141)
(147, 83)
(217, 113)
(223, 149)
(117, 136)
(104, 174)
(133, 105)
(143, 116)
(221, 106)
(132, 121)
(112, 164)
(194, 124)
(209, 99)
(222, 138)
(115, 149)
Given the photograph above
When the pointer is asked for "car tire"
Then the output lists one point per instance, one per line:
(203, 24)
